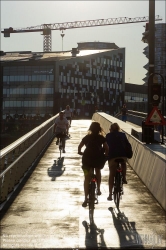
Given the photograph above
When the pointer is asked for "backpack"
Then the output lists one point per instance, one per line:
(119, 146)
(126, 147)
(128, 150)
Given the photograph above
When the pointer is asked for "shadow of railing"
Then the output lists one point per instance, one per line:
(128, 235)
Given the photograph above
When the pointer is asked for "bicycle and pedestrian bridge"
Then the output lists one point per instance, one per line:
(41, 197)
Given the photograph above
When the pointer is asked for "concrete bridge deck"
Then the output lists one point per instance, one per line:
(47, 212)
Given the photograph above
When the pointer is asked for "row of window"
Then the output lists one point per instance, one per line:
(106, 61)
(87, 82)
(28, 78)
(29, 104)
(28, 70)
(135, 98)
(107, 73)
(109, 61)
(135, 94)
(24, 91)
(96, 85)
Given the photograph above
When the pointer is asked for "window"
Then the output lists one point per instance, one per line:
(68, 79)
(94, 70)
(64, 78)
(34, 78)
(43, 78)
(11, 78)
(94, 83)
(29, 91)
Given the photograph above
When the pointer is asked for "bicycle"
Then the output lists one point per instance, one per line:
(93, 197)
(61, 137)
(118, 183)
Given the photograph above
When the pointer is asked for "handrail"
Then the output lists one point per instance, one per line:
(13, 151)
(17, 158)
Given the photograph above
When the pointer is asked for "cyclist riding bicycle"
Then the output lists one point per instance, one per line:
(116, 140)
(68, 114)
(61, 127)
(93, 141)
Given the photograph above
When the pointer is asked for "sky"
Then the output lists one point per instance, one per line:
(23, 14)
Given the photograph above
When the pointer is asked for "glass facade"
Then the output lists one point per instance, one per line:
(28, 89)
(92, 83)
(86, 83)
(136, 97)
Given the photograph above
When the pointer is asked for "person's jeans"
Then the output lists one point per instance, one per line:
(124, 118)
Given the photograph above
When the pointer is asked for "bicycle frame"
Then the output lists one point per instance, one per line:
(60, 147)
(61, 137)
(92, 196)
(118, 183)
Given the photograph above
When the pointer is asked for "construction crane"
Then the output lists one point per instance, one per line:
(47, 28)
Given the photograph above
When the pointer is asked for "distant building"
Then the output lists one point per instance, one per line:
(160, 52)
(88, 78)
(160, 59)
(136, 97)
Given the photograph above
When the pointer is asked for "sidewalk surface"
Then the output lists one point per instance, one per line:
(47, 213)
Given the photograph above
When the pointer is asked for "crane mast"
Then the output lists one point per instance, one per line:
(47, 28)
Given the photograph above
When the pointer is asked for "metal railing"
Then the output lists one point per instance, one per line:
(18, 157)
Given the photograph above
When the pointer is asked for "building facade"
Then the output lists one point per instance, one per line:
(136, 97)
(44, 83)
(160, 52)
(160, 61)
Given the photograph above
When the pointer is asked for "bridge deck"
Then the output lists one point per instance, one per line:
(47, 212)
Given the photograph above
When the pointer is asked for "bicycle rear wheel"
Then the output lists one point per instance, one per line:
(60, 147)
(117, 190)
(92, 187)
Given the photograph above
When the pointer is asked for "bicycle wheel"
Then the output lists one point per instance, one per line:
(117, 189)
(92, 187)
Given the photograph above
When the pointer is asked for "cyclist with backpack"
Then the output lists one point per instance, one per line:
(117, 142)
(94, 156)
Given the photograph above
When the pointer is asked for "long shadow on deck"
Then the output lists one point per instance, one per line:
(128, 235)
(57, 169)
(92, 235)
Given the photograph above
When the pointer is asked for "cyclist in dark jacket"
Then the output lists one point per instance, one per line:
(91, 159)
(116, 141)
